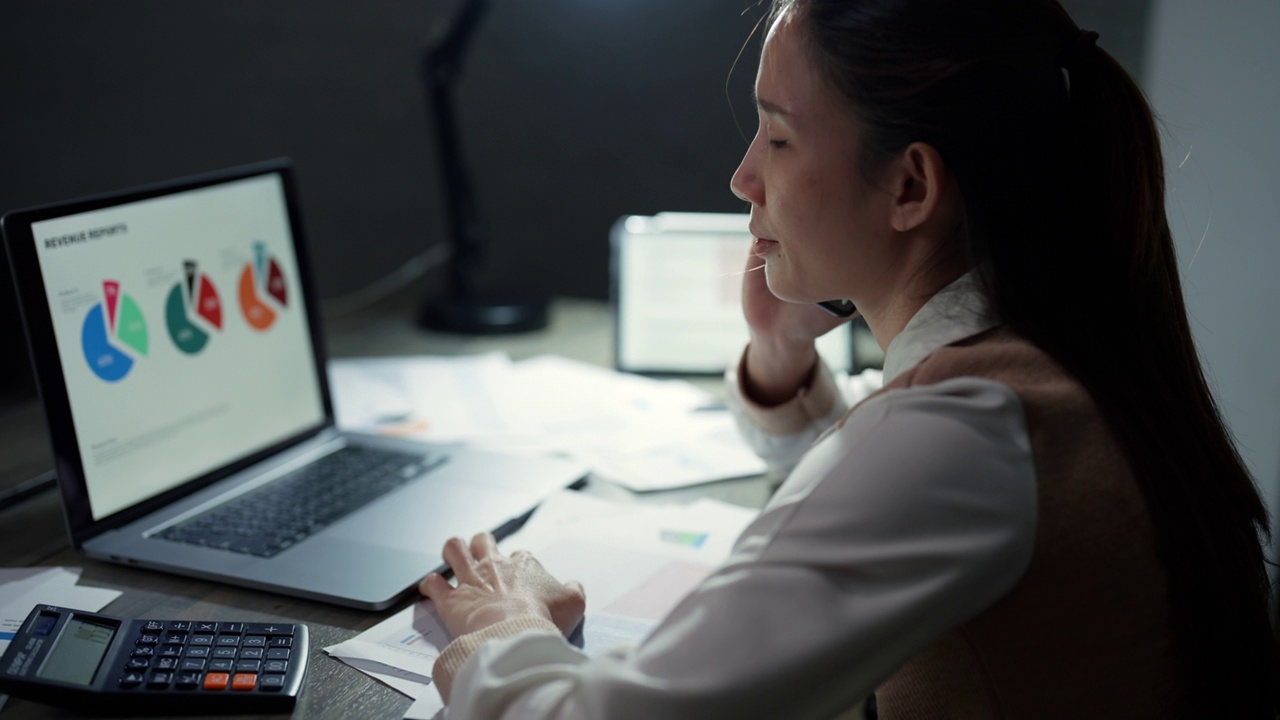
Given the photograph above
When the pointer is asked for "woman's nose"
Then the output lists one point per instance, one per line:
(745, 182)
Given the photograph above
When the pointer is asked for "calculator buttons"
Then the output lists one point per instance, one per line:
(244, 681)
(216, 681)
(268, 629)
(212, 657)
(271, 682)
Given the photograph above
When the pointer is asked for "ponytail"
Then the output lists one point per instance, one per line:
(1058, 161)
(1146, 376)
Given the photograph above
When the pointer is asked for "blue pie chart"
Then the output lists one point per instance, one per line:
(104, 359)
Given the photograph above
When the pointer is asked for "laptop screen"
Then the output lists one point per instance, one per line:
(181, 332)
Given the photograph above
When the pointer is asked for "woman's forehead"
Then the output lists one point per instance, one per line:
(784, 76)
(788, 83)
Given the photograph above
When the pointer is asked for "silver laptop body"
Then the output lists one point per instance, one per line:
(179, 355)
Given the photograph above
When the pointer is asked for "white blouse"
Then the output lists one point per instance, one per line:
(911, 517)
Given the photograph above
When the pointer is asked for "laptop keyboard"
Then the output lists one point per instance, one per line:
(270, 519)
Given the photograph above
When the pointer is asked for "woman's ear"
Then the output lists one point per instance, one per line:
(917, 180)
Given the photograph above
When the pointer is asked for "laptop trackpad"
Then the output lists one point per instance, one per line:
(421, 516)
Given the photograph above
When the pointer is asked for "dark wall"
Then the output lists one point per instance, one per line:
(572, 112)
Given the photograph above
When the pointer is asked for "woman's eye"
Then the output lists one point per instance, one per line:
(778, 143)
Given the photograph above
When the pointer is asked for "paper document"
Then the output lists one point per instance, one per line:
(642, 433)
(636, 562)
(21, 589)
(400, 652)
(444, 399)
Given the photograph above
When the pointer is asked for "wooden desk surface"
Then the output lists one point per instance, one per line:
(33, 533)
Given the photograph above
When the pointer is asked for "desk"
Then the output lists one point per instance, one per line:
(34, 533)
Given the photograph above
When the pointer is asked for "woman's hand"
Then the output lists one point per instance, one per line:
(493, 587)
(782, 353)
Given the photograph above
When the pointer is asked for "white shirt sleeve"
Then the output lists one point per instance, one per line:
(781, 435)
(913, 516)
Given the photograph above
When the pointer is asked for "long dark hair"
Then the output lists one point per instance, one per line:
(1058, 161)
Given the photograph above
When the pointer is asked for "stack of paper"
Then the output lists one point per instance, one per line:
(635, 561)
(642, 433)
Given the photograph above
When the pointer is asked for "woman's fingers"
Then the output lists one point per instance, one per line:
(483, 546)
(568, 606)
(458, 557)
(492, 587)
(435, 587)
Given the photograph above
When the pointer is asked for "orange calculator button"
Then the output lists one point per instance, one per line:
(216, 681)
(244, 681)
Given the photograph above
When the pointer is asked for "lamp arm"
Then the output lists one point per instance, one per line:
(441, 65)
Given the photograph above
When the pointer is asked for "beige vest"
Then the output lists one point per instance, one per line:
(1087, 632)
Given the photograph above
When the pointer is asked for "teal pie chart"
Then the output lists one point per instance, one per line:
(187, 302)
(189, 338)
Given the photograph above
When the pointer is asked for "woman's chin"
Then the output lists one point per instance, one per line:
(784, 290)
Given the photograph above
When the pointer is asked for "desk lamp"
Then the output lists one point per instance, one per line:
(463, 309)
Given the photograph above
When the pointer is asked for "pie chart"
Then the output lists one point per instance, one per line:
(263, 293)
(107, 333)
(198, 294)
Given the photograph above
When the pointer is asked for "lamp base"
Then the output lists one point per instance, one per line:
(483, 314)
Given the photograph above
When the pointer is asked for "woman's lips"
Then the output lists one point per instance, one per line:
(763, 246)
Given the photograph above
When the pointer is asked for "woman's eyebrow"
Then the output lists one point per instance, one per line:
(768, 107)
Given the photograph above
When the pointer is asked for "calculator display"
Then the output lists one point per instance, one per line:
(77, 652)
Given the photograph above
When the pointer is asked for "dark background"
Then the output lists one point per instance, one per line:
(572, 113)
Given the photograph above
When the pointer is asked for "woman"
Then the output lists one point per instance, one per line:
(1041, 514)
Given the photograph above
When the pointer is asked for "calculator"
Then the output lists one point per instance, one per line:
(97, 663)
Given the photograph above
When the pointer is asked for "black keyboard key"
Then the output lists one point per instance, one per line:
(270, 519)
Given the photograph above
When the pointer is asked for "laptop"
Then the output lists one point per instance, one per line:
(178, 350)
(676, 292)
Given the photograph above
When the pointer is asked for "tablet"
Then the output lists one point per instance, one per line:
(677, 295)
